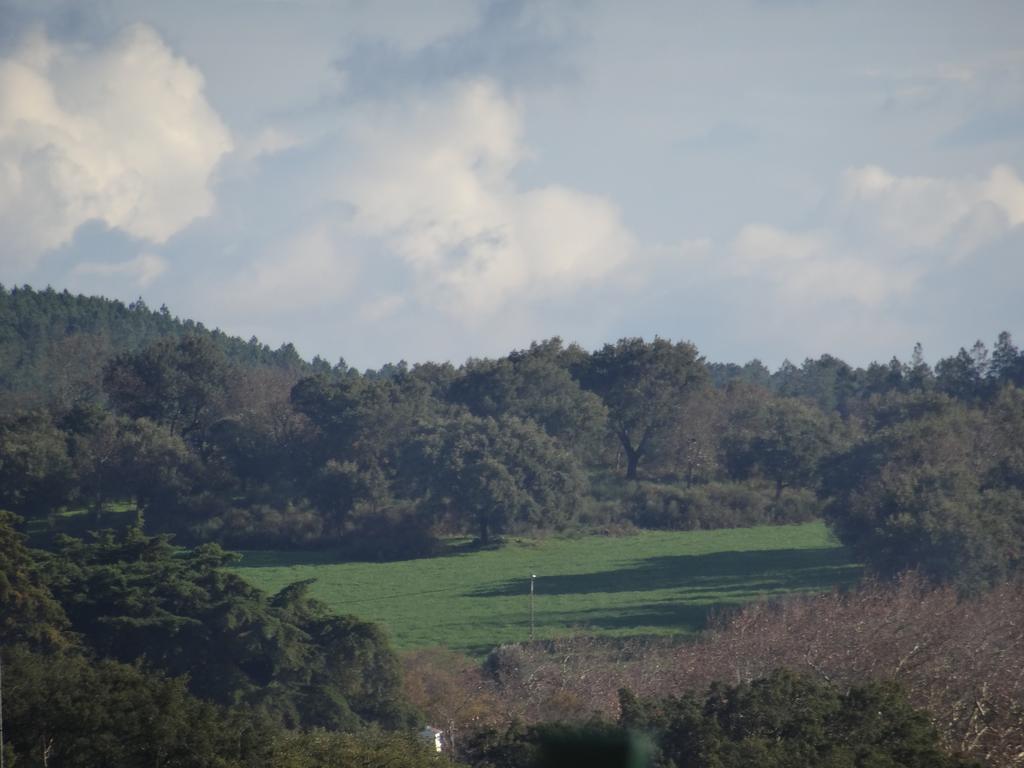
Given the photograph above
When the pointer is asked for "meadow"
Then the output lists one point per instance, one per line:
(651, 583)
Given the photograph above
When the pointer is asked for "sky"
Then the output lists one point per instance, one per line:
(772, 179)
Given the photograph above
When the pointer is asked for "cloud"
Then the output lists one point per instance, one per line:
(926, 212)
(880, 235)
(810, 267)
(142, 270)
(434, 182)
(120, 133)
(301, 272)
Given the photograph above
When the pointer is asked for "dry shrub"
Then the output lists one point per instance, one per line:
(960, 660)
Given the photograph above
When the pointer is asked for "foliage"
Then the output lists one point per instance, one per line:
(783, 720)
(133, 598)
(717, 505)
(504, 475)
(928, 493)
(179, 384)
(66, 710)
(36, 474)
(642, 385)
(534, 385)
(215, 439)
(789, 721)
(31, 615)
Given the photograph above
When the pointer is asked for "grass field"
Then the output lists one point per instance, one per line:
(651, 583)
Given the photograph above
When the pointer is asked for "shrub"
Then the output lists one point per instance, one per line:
(716, 505)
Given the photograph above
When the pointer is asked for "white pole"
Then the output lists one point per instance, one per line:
(533, 577)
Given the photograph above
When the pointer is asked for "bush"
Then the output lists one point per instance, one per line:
(716, 505)
(396, 532)
(264, 526)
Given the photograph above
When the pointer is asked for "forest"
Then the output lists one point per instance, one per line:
(137, 449)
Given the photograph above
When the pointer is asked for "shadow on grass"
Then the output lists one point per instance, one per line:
(283, 558)
(761, 570)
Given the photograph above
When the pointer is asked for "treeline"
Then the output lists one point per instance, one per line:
(213, 439)
(53, 345)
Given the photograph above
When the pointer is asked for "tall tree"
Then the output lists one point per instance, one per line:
(535, 387)
(643, 386)
(925, 493)
(30, 615)
(132, 597)
(178, 383)
(36, 473)
(794, 439)
(497, 475)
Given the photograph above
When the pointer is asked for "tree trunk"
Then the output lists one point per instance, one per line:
(632, 455)
(484, 538)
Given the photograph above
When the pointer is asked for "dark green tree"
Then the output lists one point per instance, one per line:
(643, 385)
(133, 598)
(180, 383)
(788, 721)
(36, 473)
(66, 710)
(496, 475)
(30, 613)
(924, 493)
(537, 387)
(794, 439)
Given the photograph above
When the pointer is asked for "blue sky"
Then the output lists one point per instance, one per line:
(407, 180)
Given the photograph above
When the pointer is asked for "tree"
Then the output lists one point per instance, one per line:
(963, 376)
(496, 475)
(450, 690)
(643, 386)
(692, 443)
(1007, 364)
(31, 615)
(98, 453)
(787, 721)
(36, 474)
(67, 710)
(132, 597)
(794, 439)
(180, 383)
(533, 385)
(921, 493)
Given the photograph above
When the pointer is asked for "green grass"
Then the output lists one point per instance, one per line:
(652, 583)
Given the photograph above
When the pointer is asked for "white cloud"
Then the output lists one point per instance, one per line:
(142, 270)
(881, 235)
(120, 133)
(928, 212)
(434, 182)
(809, 266)
(301, 272)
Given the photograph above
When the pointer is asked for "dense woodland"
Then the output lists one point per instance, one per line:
(126, 434)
